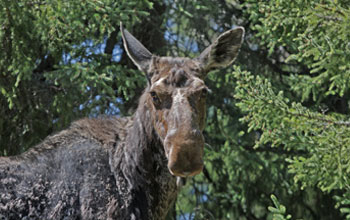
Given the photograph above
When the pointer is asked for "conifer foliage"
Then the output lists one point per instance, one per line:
(277, 133)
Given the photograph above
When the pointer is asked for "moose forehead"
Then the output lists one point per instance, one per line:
(176, 72)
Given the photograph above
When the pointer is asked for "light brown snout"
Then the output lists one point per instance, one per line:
(185, 155)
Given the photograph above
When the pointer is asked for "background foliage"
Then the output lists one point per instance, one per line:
(277, 128)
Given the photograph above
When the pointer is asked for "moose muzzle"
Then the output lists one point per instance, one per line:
(185, 155)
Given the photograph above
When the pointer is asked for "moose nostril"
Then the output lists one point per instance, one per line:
(176, 168)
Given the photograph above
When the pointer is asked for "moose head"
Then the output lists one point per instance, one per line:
(176, 96)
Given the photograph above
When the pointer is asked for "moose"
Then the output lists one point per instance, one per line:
(122, 168)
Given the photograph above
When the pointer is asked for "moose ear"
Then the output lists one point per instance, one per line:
(223, 51)
(135, 50)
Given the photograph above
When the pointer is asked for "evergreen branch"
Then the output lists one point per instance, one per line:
(328, 121)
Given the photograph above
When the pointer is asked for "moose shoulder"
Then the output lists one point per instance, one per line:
(121, 168)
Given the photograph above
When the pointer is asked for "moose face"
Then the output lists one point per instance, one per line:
(176, 96)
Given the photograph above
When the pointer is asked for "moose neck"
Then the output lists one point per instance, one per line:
(152, 187)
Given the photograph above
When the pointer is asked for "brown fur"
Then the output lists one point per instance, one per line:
(121, 168)
(184, 146)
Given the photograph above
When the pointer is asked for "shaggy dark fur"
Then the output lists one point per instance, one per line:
(107, 168)
(119, 168)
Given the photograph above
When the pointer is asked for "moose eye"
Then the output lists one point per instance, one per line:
(154, 96)
(204, 92)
